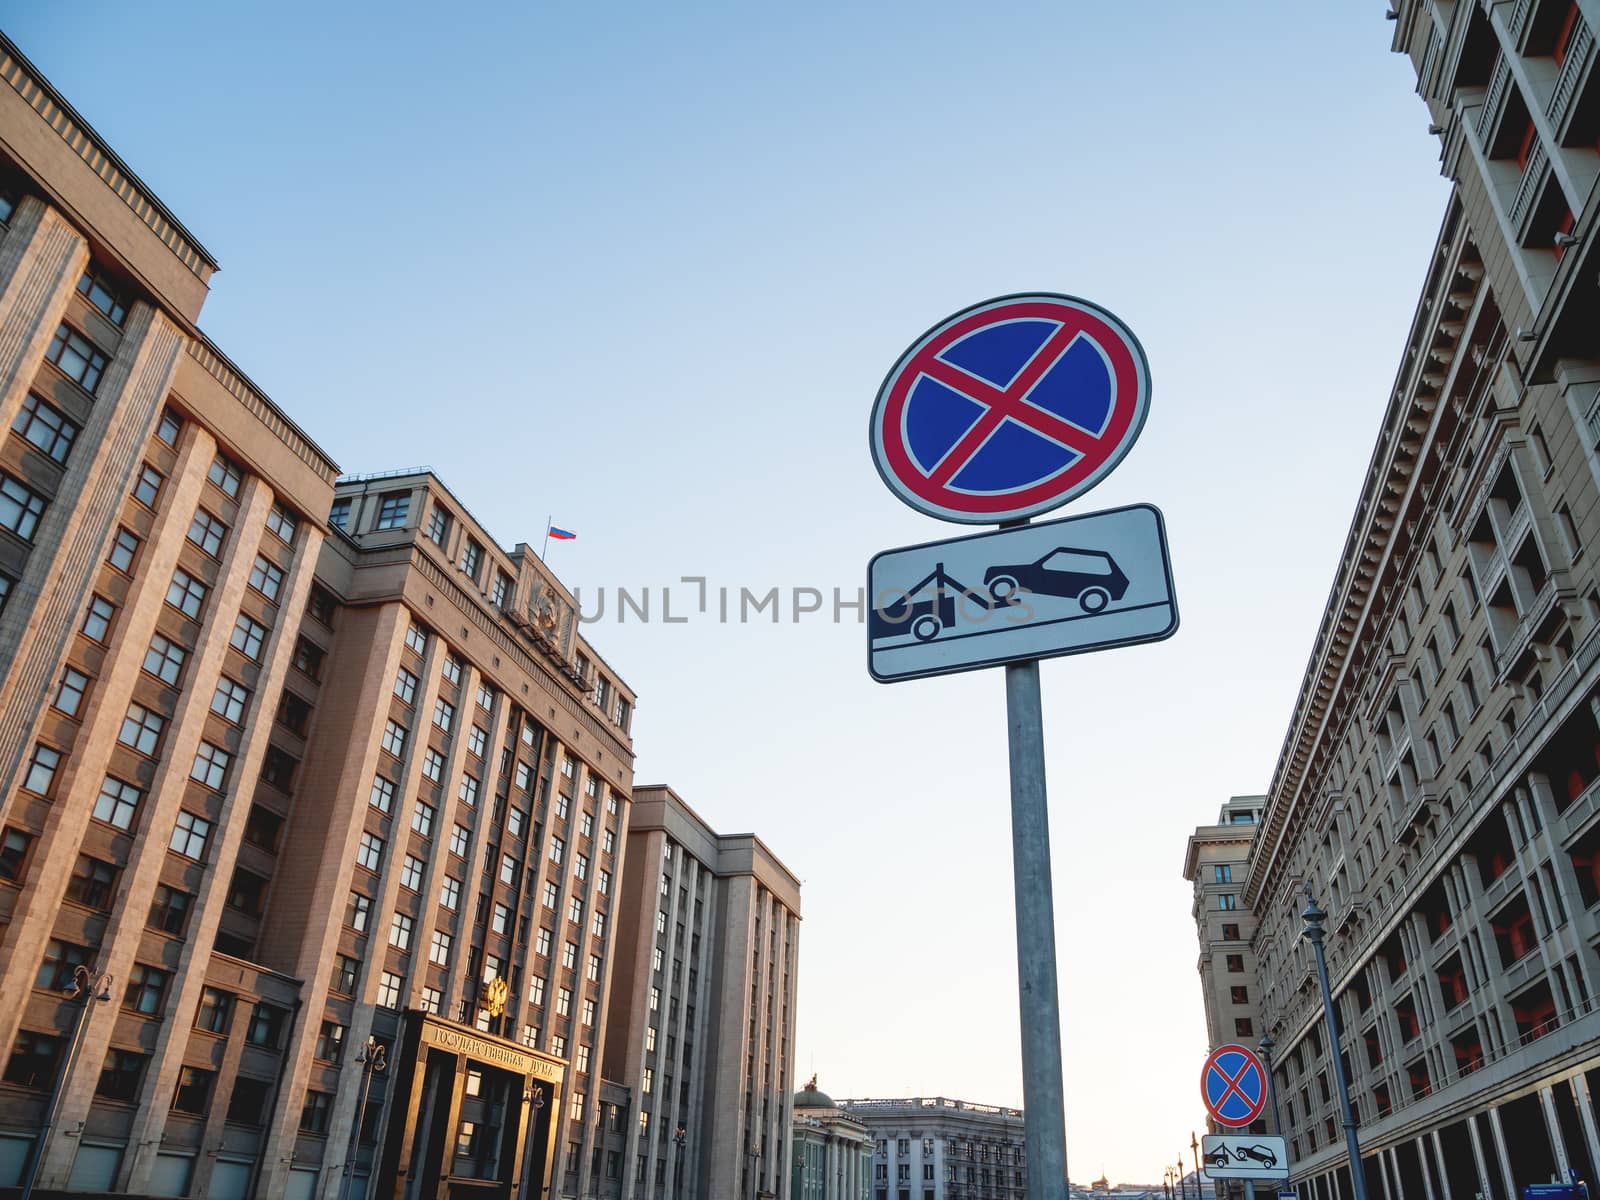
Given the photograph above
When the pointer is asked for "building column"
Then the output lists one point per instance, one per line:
(1438, 1162)
(1500, 1152)
(1427, 1175)
(1558, 1144)
(1580, 1094)
(1478, 1160)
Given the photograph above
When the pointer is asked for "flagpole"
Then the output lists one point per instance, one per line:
(545, 545)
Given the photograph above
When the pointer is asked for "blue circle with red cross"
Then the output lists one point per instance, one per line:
(1010, 408)
(1234, 1084)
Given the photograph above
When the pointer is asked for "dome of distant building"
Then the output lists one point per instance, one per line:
(810, 1097)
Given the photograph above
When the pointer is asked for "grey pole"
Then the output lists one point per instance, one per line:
(1266, 1048)
(91, 987)
(1045, 1129)
(1314, 916)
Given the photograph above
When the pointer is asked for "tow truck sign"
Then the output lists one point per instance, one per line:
(1243, 1156)
(1034, 591)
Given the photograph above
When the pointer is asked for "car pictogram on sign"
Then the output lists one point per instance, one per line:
(1259, 1154)
(1091, 577)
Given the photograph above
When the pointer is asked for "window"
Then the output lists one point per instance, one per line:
(60, 959)
(189, 835)
(330, 1042)
(557, 849)
(118, 803)
(411, 873)
(443, 713)
(77, 358)
(393, 508)
(282, 524)
(433, 765)
(1243, 1027)
(124, 549)
(20, 508)
(405, 686)
(345, 970)
(400, 927)
(389, 990)
(1230, 933)
(14, 850)
(228, 701)
(339, 514)
(516, 820)
(93, 883)
(439, 948)
(459, 838)
(575, 910)
(1223, 874)
(186, 594)
(169, 910)
(450, 893)
(500, 922)
(608, 842)
(94, 288)
(587, 1015)
(147, 488)
(69, 693)
(603, 884)
(369, 853)
(524, 776)
(563, 1002)
(210, 766)
(485, 697)
(394, 738)
(225, 475)
(471, 558)
(207, 532)
(552, 894)
(315, 1112)
(502, 589)
(267, 1025)
(1235, 964)
(266, 579)
(1227, 902)
(320, 605)
(452, 673)
(508, 869)
(438, 525)
(358, 911)
(146, 990)
(469, 791)
(248, 637)
(45, 427)
(432, 1000)
(1239, 994)
(215, 1008)
(417, 638)
(34, 1060)
(592, 972)
(165, 659)
(477, 741)
(597, 924)
(422, 818)
(541, 945)
(97, 621)
(194, 1091)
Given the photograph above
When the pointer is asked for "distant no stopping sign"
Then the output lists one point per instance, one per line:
(1010, 408)
(1234, 1085)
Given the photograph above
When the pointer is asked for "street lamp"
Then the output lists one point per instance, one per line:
(92, 988)
(1314, 916)
(1166, 1184)
(755, 1168)
(1194, 1148)
(1266, 1047)
(373, 1060)
(1183, 1190)
(678, 1140)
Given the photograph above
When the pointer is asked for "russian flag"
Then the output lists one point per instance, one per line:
(562, 535)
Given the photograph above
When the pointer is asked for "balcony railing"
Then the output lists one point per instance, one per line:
(1532, 179)
(1579, 51)
(1494, 101)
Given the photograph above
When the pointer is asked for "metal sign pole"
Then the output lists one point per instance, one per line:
(1042, 1095)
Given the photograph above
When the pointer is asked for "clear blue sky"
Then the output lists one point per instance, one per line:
(642, 267)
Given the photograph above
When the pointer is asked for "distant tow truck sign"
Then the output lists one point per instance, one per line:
(1243, 1156)
(1033, 591)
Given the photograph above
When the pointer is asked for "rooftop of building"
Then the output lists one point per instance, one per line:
(926, 1105)
(724, 853)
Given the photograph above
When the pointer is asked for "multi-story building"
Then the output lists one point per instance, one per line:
(931, 1148)
(1437, 788)
(832, 1150)
(300, 774)
(1215, 863)
(702, 1027)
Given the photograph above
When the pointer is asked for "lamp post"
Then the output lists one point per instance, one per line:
(1166, 1184)
(1314, 916)
(92, 988)
(1194, 1148)
(755, 1169)
(373, 1060)
(1266, 1047)
(678, 1139)
(1183, 1190)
